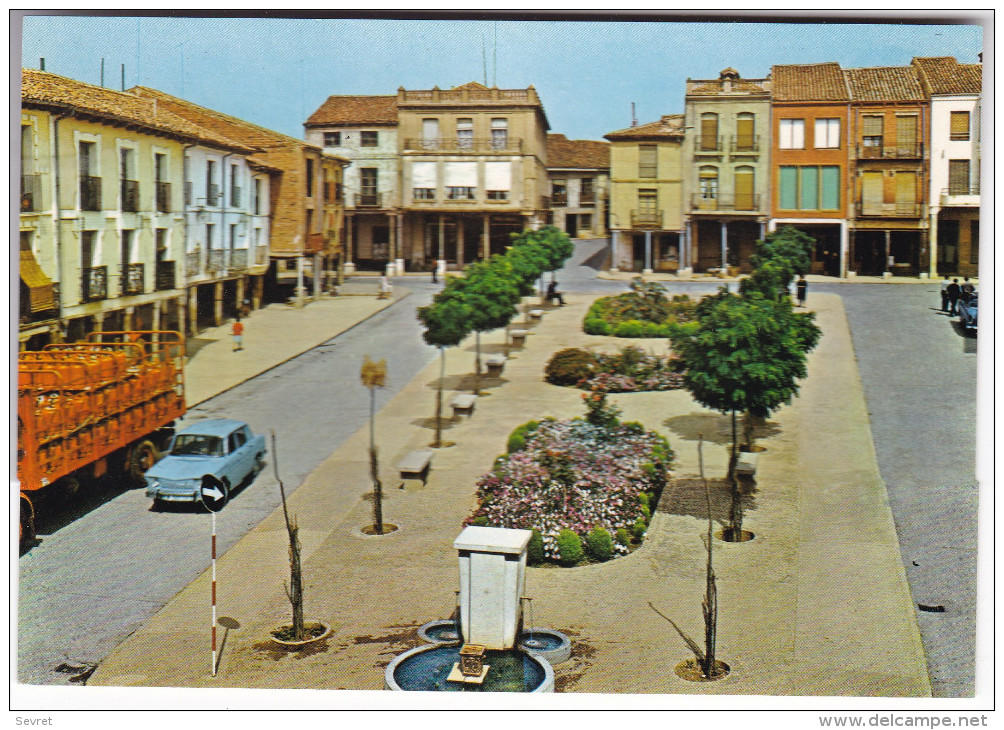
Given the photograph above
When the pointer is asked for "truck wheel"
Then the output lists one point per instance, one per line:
(143, 456)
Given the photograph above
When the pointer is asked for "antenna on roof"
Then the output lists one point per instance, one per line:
(484, 61)
(634, 119)
(102, 72)
(495, 53)
(123, 77)
(41, 64)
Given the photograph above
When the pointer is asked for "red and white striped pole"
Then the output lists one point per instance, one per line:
(214, 594)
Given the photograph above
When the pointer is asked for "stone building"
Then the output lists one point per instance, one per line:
(579, 171)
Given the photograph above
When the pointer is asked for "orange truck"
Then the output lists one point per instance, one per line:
(104, 405)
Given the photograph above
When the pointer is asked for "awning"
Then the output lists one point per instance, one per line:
(39, 285)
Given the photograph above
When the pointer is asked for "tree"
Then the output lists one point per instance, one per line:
(779, 257)
(491, 289)
(557, 246)
(373, 376)
(294, 591)
(744, 353)
(447, 322)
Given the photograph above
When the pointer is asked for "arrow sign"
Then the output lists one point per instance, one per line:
(212, 497)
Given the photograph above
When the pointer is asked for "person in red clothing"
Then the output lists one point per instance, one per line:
(238, 332)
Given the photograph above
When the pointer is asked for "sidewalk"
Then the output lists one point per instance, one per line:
(811, 278)
(817, 604)
(272, 335)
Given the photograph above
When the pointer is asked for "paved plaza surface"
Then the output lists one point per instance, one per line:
(792, 618)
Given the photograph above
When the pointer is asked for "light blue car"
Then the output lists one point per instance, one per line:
(219, 454)
(968, 311)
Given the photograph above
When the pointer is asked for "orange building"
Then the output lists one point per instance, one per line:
(810, 158)
(889, 123)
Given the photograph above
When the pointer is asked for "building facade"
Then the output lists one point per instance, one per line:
(809, 159)
(103, 211)
(726, 188)
(955, 93)
(646, 197)
(579, 172)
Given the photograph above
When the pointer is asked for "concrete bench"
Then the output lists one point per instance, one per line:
(518, 337)
(415, 465)
(463, 402)
(535, 314)
(746, 463)
(495, 364)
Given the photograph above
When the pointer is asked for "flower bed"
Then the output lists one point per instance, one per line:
(630, 370)
(645, 311)
(578, 474)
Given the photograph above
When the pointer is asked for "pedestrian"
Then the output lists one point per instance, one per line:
(246, 308)
(966, 290)
(238, 334)
(434, 269)
(954, 292)
(944, 293)
(384, 288)
(553, 293)
(800, 287)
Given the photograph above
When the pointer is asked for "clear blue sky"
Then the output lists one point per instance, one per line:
(275, 72)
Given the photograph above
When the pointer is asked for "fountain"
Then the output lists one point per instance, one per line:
(484, 648)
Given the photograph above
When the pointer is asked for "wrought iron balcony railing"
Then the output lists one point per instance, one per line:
(238, 259)
(744, 145)
(94, 283)
(894, 152)
(132, 279)
(193, 262)
(707, 144)
(164, 276)
(646, 219)
(750, 202)
(368, 200)
(217, 260)
(890, 210)
(90, 192)
(559, 198)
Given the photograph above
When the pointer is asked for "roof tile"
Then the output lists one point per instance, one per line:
(945, 75)
(670, 126)
(354, 111)
(577, 153)
(809, 82)
(888, 83)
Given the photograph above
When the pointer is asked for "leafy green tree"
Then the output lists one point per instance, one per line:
(491, 289)
(779, 258)
(744, 353)
(528, 262)
(447, 322)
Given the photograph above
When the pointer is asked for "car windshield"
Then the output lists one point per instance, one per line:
(195, 444)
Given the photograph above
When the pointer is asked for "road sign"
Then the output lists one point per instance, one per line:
(213, 496)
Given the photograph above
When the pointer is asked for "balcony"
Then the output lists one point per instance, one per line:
(94, 284)
(31, 193)
(193, 262)
(90, 192)
(213, 195)
(559, 198)
(130, 196)
(164, 278)
(509, 145)
(707, 145)
(235, 197)
(896, 152)
(217, 260)
(368, 200)
(890, 210)
(163, 197)
(646, 219)
(727, 203)
(587, 198)
(238, 259)
(744, 145)
(132, 279)
(957, 195)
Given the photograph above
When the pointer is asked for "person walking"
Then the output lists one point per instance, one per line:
(801, 287)
(433, 269)
(966, 290)
(954, 292)
(237, 331)
(944, 293)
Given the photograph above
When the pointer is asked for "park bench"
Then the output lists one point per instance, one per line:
(746, 463)
(535, 314)
(495, 364)
(415, 465)
(463, 402)
(518, 337)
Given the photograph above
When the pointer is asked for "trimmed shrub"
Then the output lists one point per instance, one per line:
(595, 326)
(623, 536)
(480, 521)
(639, 529)
(646, 513)
(643, 497)
(599, 544)
(569, 366)
(535, 549)
(569, 547)
(517, 439)
(630, 328)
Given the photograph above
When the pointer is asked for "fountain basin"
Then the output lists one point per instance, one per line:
(548, 644)
(443, 631)
(427, 667)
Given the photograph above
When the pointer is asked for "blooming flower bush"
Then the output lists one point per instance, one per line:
(577, 474)
(628, 371)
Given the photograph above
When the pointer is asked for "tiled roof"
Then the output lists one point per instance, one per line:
(669, 126)
(889, 83)
(714, 87)
(577, 153)
(354, 110)
(945, 75)
(809, 82)
(240, 130)
(41, 88)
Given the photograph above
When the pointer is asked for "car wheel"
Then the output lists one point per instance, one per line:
(259, 465)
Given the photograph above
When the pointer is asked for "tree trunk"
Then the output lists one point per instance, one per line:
(439, 397)
(377, 492)
(295, 592)
(477, 363)
(736, 508)
(709, 606)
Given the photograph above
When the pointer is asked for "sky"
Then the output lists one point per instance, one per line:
(276, 71)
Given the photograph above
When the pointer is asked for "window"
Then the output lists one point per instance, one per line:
(745, 137)
(332, 139)
(210, 235)
(709, 131)
(423, 193)
(708, 180)
(310, 178)
(559, 192)
(906, 135)
(647, 161)
(459, 193)
(498, 180)
(430, 134)
(465, 134)
(500, 133)
(87, 249)
(368, 139)
(587, 193)
(257, 196)
(648, 200)
(498, 194)
(958, 177)
(129, 183)
(791, 134)
(827, 134)
(423, 180)
(745, 198)
(368, 186)
(959, 126)
(871, 131)
(90, 185)
(809, 187)
(212, 189)
(233, 235)
(461, 179)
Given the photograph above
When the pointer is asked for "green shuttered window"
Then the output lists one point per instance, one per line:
(829, 188)
(809, 187)
(788, 188)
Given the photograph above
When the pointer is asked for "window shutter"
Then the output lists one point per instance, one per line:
(498, 176)
(958, 177)
(906, 133)
(809, 193)
(744, 189)
(430, 129)
(871, 126)
(744, 132)
(959, 129)
(829, 193)
(461, 174)
(788, 188)
(871, 193)
(709, 131)
(423, 174)
(647, 160)
(906, 192)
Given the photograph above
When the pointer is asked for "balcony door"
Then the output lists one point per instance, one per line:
(906, 193)
(368, 186)
(871, 193)
(744, 188)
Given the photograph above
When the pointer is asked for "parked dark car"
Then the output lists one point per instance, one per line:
(968, 310)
